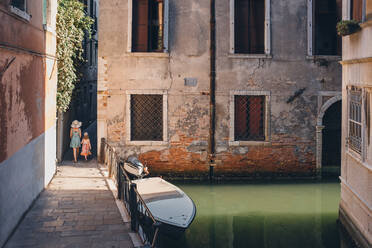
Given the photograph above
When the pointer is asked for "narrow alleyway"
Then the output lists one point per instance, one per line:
(76, 210)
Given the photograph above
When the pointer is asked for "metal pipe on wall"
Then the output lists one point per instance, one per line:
(212, 94)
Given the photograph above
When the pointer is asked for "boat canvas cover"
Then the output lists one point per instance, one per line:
(133, 169)
(167, 203)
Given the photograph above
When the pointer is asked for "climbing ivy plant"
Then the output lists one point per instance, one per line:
(72, 26)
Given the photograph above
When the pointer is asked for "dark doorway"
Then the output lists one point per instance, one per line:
(331, 150)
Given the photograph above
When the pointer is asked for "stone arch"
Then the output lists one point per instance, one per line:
(324, 108)
(319, 128)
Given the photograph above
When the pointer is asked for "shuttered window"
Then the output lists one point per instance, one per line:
(249, 26)
(148, 26)
(146, 117)
(327, 14)
(356, 10)
(19, 4)
(249, 118)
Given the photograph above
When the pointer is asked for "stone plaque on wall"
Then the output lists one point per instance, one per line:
(191, 81)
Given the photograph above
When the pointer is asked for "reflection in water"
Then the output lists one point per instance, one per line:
(262, 215)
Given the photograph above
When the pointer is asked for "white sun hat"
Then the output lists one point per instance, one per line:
(76, 124)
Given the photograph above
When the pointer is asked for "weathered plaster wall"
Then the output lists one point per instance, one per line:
(356, 170)
(119, 71)
(22, 104)
(291, 146)
(28, 83)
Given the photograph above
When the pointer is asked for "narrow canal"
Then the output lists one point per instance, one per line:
(234, 215)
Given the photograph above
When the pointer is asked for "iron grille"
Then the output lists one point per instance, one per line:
(355, 121)
(146, 117)
(249, 118)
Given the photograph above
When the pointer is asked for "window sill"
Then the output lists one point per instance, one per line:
(24, 15)
(149, 54)
(356, 156)
(249, 56)
(326, 57)
(146, 143)
(366, 23)
(358, 159)
(249, 143)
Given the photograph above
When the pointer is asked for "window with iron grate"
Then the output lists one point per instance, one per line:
(249, 118)
(146, 117)
(355, 120)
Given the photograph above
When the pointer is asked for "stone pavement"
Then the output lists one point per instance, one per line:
(76, 210)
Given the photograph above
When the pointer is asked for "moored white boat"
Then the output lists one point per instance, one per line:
(167, 203)
(134, 166)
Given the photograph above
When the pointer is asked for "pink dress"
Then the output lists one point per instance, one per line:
(85, 151)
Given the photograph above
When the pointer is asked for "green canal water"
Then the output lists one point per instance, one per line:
(235, 215)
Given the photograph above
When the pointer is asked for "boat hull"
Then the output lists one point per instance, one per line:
(168, 204)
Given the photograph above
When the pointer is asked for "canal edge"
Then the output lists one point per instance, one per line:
(135, 238)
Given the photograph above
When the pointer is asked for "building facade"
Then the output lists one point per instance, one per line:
(356, 171)
(276, 77)
(28, 84)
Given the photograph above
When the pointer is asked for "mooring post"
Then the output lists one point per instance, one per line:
(102, 151)
(211, 172)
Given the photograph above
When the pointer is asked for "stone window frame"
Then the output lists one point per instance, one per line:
(166, 33)
(128, 141)
(233, 93)
(267, 53)
(21, 13)
(310, 34)
(362, 155)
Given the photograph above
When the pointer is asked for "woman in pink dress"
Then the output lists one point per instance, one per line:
(85, 150)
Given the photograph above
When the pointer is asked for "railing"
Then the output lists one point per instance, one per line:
(142, 220)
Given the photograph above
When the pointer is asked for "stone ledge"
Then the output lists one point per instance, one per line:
(352, 230)
(249, 143)
(249, 56)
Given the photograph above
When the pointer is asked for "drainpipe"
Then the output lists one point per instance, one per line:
(212, 93)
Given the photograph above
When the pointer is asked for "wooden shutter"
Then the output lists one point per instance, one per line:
(356, 10)
(166, 21)
(140, 25)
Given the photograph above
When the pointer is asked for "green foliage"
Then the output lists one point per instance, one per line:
(347, 27)
(72, 25)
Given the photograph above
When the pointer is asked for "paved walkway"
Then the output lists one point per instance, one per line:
(76, 210)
